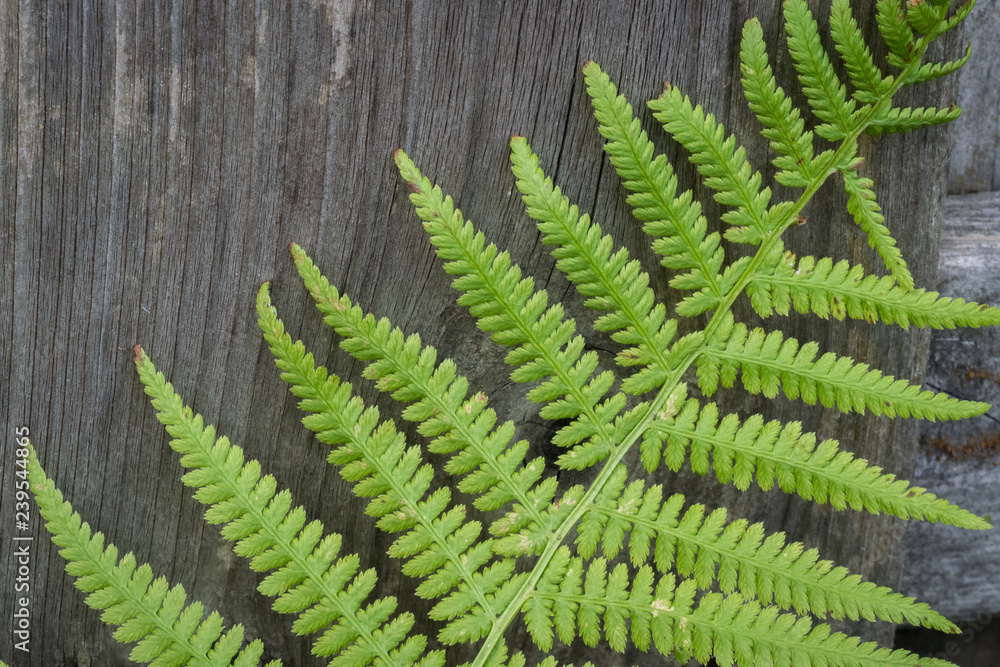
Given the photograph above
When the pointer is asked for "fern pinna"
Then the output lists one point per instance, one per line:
(686, 581)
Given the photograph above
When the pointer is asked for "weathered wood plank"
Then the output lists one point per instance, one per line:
(956, 571)
(975, 161)
(157, 159)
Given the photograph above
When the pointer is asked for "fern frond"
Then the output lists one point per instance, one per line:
(923, 17)
(931, 71)
(772, 450)
(850, 44)
(722, 163)
(769, 361)
(545, 346)
(612, 281)
(675, 222)
(783, 126)
(906, 120)
(842, 290)
(826, 95)
(458, 424)
(757, 566)
(305, 576)
(441, 546)
(960, 15)
(867, 213)
(895, 31)
(573, 598)
(149, 612)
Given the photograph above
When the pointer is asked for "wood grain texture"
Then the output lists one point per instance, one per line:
(158, 158)
(958, 572)
(975, 160)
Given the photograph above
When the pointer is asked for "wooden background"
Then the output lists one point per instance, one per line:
(158, 158)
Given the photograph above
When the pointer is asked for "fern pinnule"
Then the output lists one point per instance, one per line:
(825, 93)
(769, 451)
(891, 20)
(906, 120)
(612, 281)
(736, 556)
(304, 576)
(869, 85)
(150, 613)
(494, 469)
(783, 125)
(867, 213)
(771, 361)
(674, 221)
(843, 290)
(441, 402)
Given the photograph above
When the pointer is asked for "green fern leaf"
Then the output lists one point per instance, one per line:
(771, 361)
(896, 32)
(850, 44)
(459, 425)
(612, 281)
(862, 205)
(442, 546)
(675, 222)
(721, 162)
(757, 566)
(841, 290)
(546, 348)
(960, 15)
(773, 450)
(148, 611)
(931, 71)
(304, 575)
(906, 120)
(663, 613)
(826, 95)
(782, 123)
(923, 17)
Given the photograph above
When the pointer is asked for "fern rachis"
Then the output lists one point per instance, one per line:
(696, 584)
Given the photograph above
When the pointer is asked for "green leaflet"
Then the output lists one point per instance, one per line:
(675, 221)
(697, 583)
(304, 574)
(664, 613)
(826, 94)
(769, 361)
(442, 546)
(148, 612)
(841, 290)
(749, 562)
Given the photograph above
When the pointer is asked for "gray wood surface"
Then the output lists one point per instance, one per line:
(975, 159)
(157, 159)
(958, 571)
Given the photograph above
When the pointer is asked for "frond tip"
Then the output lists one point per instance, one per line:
(304, 574)
(148, 611)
